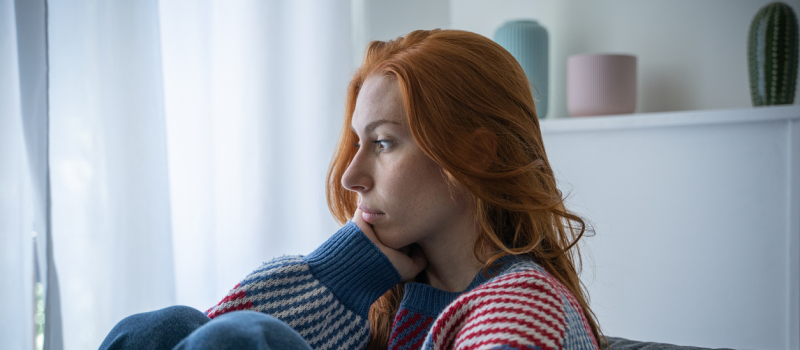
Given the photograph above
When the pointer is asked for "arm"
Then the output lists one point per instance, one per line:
(519, 311)
(324, 296)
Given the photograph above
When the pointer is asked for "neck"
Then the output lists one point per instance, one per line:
(452, 264)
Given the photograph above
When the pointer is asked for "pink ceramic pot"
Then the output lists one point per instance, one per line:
(601, 84)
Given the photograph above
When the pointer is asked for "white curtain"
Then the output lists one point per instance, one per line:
(254, 101)
(16, 198)
(111, 212)
(189, 143)
(27, 273)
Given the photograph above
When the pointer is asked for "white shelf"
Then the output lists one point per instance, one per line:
(670, 119)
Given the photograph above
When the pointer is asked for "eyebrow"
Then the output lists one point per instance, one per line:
(374, 125)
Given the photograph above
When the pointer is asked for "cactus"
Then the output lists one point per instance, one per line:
(772, 55)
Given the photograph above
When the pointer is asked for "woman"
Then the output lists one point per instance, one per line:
(458, 236)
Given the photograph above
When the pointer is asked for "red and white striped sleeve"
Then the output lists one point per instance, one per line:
(521, 310)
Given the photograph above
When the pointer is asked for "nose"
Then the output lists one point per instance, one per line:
(357, 177)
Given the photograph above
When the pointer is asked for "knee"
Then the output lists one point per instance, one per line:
(173, 319)
(246, 329)
(155, 329)
(178, 317)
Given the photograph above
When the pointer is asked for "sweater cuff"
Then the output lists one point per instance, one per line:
(353, 268)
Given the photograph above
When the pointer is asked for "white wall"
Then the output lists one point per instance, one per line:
(389, 19)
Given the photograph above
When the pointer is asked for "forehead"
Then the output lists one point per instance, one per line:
(378, 99)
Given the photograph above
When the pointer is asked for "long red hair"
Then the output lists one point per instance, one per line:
(453, 83)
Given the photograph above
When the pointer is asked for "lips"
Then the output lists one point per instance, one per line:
(370, 215)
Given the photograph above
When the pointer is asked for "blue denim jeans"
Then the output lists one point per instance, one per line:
(185, 328)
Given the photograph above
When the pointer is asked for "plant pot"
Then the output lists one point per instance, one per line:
(601, 84)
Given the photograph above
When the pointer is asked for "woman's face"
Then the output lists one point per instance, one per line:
(402, 192)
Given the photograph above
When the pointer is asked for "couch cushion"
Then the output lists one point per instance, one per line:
(627, 344)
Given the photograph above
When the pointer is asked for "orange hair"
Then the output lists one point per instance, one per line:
(454, 83)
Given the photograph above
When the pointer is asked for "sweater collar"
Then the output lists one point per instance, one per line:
(431, 301)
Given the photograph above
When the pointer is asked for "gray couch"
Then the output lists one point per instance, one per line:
(616, 343)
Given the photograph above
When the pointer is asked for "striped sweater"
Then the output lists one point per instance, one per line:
(326, 296)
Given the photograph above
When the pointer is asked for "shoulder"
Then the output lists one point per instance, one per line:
(524, 307)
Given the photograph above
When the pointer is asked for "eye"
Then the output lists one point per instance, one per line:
(383, 144)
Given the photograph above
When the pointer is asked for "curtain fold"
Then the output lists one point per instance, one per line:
(16, 198)
(27, 271)
(111, 211)
(31, 21)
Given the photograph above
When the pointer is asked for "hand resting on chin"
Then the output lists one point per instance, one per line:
(409, 261)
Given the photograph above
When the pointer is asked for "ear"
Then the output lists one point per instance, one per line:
(484, 147)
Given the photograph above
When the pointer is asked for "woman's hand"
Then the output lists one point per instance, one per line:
(409, 261)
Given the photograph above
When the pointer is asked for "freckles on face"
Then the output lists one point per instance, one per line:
(403, 192)
(417, 183)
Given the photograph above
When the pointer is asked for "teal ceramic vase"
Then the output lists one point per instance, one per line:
(528, 42)
(772, 55)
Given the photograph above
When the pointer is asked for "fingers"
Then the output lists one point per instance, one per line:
(409, 261)
(367, 229)
(363, 225)
(357, 216)
(409, 265)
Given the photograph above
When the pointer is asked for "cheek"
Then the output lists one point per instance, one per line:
(418, 185)
(421, 202)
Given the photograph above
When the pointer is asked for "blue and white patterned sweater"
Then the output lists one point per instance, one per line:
(326, 296)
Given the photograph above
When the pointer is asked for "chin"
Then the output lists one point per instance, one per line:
(391, 239)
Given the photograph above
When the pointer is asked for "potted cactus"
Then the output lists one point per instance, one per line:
(772, 55)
